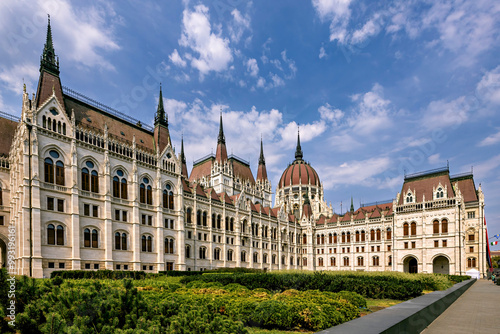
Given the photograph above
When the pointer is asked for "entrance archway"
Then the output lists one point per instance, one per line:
(441, 265)
(411, 265)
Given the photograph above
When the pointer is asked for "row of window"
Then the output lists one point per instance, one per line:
(359, 236)
(52, 124)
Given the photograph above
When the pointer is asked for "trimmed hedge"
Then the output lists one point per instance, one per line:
(99, 274)
(369, 286)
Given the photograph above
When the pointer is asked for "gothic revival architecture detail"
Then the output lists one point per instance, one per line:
(89, 189)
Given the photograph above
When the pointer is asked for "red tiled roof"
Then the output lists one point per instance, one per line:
(262, 172)
(200, 170)
(242, 171)
(424, 186)
(307, 211)
(46, 83)
(376, 213)
(225, 197)
(198, 189)
(258, 207)
(253, 207)
(235, 198)
(333, 219)
(291, 218)
(185, 186)
(274, 212)
(346, 217)
(467, 188)
(265, 210)
(6, 135)
(360, 215)
(221, 153)
(116, 126)
(321, 220)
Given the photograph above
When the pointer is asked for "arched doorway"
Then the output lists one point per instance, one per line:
(411, 265)
(441, 265)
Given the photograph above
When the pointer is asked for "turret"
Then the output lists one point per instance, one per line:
(262, 172)
(184, 171)
(161, 133)
(221, 154)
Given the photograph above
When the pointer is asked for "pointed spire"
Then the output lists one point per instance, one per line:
(352, 205)
(262, 171)
(262, 161)
(298, 150)
(221, 138)
(221, 153)
(306, 207)
(49, 61)
(183, 160)
(161, 117)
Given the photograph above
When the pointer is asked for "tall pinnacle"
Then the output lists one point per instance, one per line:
(262, 171)
(49, 61)
(221, 138)
(221, 154)
(183, 160)
(262, 161)
(161, 117)
(298, 151)
(352, 205)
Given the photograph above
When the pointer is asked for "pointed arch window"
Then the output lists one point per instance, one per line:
(440, 193)
(363, 235)
(444, 226)
(204, 218)
(147, 243)
(198, 217)
(435, 227)
(60, 235)
(189, 218)
(372, 235)
(120, 185)
(405, 229)
(332, 261)
(188, 252)
(49, 170)
(389, 234)
(51, 234)
(169, 245)
(413, 228)
(379, 234)
(243, 256)
(1, 195)
(168, 197)
(120, 241)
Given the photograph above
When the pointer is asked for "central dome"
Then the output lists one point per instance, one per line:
(299, 173)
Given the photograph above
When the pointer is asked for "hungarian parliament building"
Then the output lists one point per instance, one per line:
(83, 187)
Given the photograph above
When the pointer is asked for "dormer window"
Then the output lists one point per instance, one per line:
(409, 198)
(440, 193)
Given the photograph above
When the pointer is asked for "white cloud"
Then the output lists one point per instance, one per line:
(441, 113)
(486, 168)
(434, 159)
(491, 139)
(238, 26)
(322, 53)
(13, 77)
(213, 50)
(174, 109)
(328, 113)
(356, 173)
(488, 89)
(87, 41)
(338, 13)
(369, 29)
(371, 112)
(276, 80)
(252, 67)
(176, 59)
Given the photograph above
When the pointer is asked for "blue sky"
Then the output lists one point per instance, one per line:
(376, 87)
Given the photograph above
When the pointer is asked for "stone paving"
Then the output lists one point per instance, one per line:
(476, 311)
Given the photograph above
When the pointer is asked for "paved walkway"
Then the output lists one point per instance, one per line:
(476, 311)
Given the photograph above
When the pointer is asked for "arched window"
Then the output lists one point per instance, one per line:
(147, 243)
(120, 185)
(145, 192)
(226, 224)
(409, 198)
(435, 227)
(244, 226)
(357, 236)
(204, 218)
(150, 244)
(334, 238)
(44, 121)
(118, 241)
(49, 170)
(346, 261)
(444, 226)
(213, 220)
(273, 259)
(86, 237)
(471, 262)
(124, 241)
(413, 228)
(255, 257)
(379, 234)
(343, 236)
(348, 236)
(389, 260)
(389, 234)
(203, 253)
(169, 245)
(144, 243)
(231, 225)
(375, 261)
(1, 196)
(64, 128)
(440, 193)
(363, 235)
(318, 241)
(217, 254)
(95, 238)
(198, 217)
(332, 261)
(330, 238)
(168, 197)
(60, 173)
(372, 235)
(291, 260)
(304, 239)
(218, 221)
(85, 179)
(320, 262)
(405, 229)
(243, 256)
(60, 235)
(230, 255)
(283, 260)
(322, 239)
(94, 181)
(189, 219)
(360, 261)
(51, 234)
(188, 251)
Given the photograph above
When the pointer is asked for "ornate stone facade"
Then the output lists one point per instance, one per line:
(88, 188)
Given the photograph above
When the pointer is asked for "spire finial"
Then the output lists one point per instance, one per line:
(221, 139)
(352, 205)
(161, 117)
(262, 161)
(298, 150)
(49, 61)
(183, 157)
